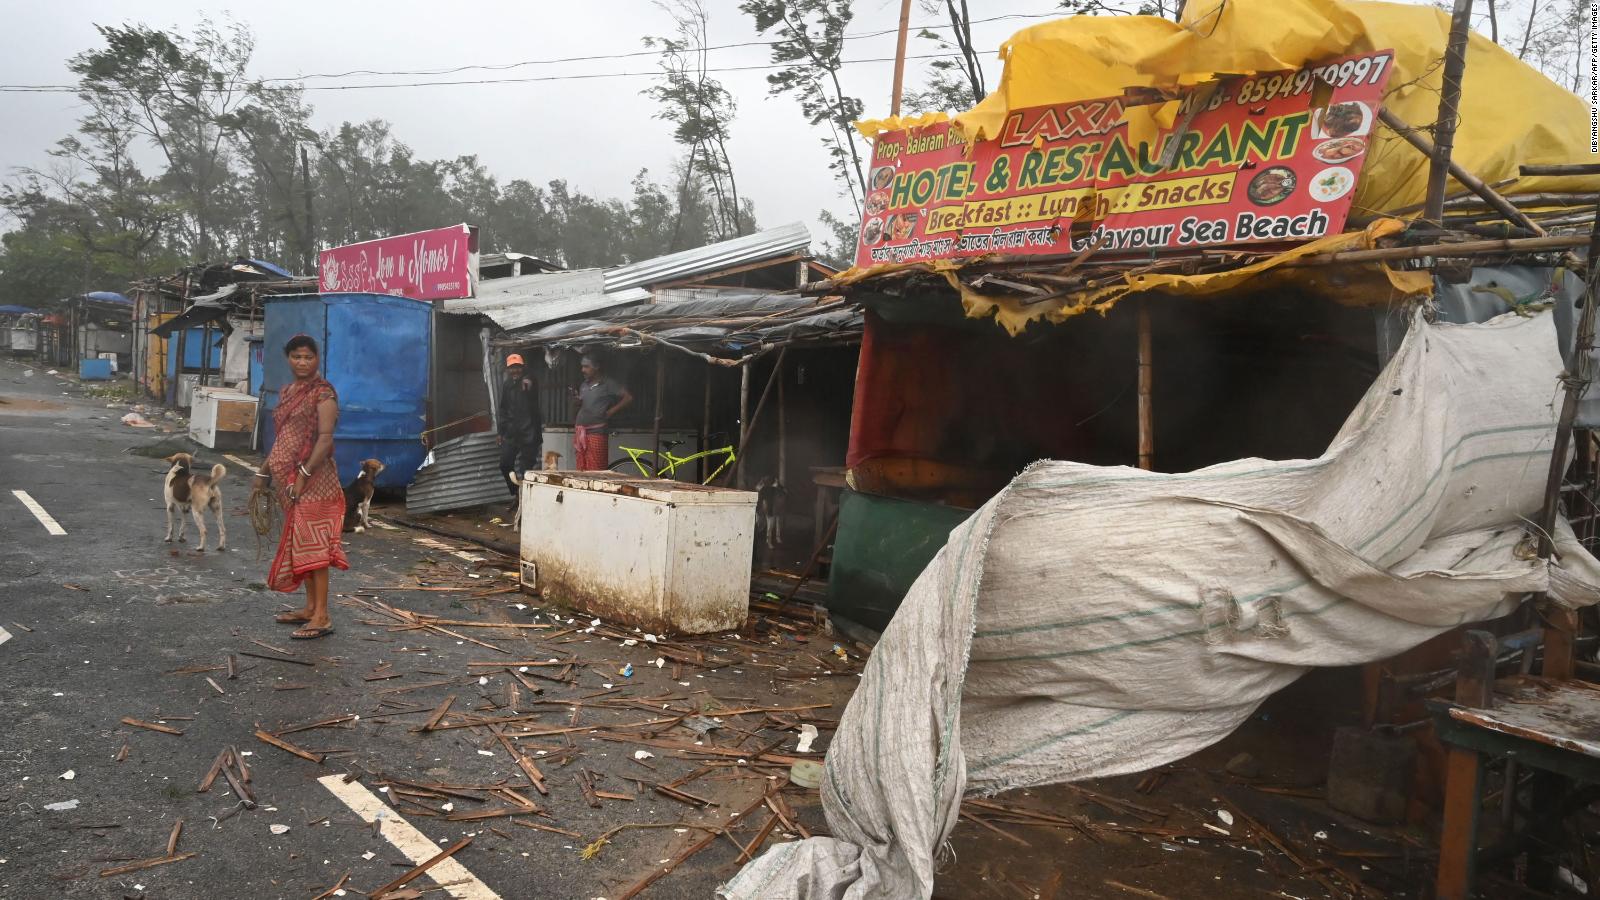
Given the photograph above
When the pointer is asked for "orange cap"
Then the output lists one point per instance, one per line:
(514, 359)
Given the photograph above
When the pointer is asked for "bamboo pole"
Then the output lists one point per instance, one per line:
(1147, 438)
(1452, 251)
(1567, 169)
(744, 419)
(661, 380)
(749, 427)
(1562, 624)
(1444, 130)
(1435, 212)
(783, 432)
(900, 57)
(705, 426)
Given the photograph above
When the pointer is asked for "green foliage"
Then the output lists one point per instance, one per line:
(809, 45)
(242, 172)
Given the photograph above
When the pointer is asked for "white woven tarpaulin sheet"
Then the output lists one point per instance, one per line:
(1093, 621)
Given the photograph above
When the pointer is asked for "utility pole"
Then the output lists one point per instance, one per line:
(900, 57)
(311, 223)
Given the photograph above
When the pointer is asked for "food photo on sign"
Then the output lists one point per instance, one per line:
(1270, 158)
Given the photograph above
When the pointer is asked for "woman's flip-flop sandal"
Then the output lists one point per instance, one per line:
(289, 618)
(311, 634)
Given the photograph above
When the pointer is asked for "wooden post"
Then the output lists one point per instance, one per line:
(900, 57)
(783, 432)
(661, 380)
(1458, 838)
(705, 426)
(744, 418)
(748, 428)
(1444, 130)
(1562, 624)
(1147, 437)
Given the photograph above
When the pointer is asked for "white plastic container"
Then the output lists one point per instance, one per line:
(660, 555)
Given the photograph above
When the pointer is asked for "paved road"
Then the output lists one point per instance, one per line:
(102, 616)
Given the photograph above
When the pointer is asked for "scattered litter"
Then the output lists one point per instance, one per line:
(626, 671)
(448, 807)
(629, 642)
(594, 623)
(68, 775)
(839, 652)
(642, 754)
(608, 685)
(1321, 835)
(660, 663)
(52, 372)
(137, 421)
(700, 725)
(1225, 817)
(278, 829)
(650, 639)
(808, 733)
(480, 753)
(368, 855)
(483, 679)
(64, 806)
(27, 373)
(1565, 876)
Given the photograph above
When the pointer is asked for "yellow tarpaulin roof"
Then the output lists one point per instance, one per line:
(1510, 114)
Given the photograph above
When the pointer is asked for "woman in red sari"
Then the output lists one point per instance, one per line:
(306, 482)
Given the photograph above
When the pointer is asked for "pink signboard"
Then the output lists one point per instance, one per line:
(427, 265)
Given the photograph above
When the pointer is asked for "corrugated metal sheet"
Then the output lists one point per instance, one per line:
(525, 300)
(779, 241)
(465, 472)
(529, 300)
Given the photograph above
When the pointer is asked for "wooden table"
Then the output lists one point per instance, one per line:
(1550, 725)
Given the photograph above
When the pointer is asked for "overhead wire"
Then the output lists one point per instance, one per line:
(72, 88)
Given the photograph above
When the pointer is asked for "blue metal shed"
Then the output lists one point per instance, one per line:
(376, 351)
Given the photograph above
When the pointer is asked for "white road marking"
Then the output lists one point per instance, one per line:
(4, 635)
(449, 874)
(50, 524)
(240, 463)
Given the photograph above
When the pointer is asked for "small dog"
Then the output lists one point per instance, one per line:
(552, 460)
(771, 499)
(188, 492)
(358, 497)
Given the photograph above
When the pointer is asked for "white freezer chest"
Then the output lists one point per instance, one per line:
(660, 555)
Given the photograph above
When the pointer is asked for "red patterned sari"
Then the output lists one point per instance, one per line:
(311, 524)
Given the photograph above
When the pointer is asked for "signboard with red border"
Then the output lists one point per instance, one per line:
(1269, 159)
(441, 264)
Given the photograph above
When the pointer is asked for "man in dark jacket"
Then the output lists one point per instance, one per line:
(521, 425)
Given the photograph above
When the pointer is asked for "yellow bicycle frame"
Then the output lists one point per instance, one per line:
(673, 461)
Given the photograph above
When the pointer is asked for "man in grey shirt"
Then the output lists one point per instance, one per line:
(598, 398)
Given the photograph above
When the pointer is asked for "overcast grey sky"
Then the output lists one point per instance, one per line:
(595, 133)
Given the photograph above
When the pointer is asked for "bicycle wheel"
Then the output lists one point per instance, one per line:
(628, 466)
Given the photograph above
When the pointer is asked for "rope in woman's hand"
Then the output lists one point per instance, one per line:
(261, 508)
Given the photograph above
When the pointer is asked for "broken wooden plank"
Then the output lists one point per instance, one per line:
(150, 726)
(213, 772)
(298, 662)
(325, 723)
(439, 714)
(145, 864)
(656, 875)
(337, 887)
(417, 872)
(550, 828)
(172, 839)
(287, 747)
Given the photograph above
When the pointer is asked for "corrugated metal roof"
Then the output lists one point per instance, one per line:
(771, 242)
(465, 472)
(529, 300)
(534, 299)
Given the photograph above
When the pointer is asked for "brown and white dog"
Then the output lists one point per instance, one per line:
(190, 492)
(358, 496)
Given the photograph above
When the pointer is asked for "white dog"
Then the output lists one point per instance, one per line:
(192, 493)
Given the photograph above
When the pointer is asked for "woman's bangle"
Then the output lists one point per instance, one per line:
(304, 471)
